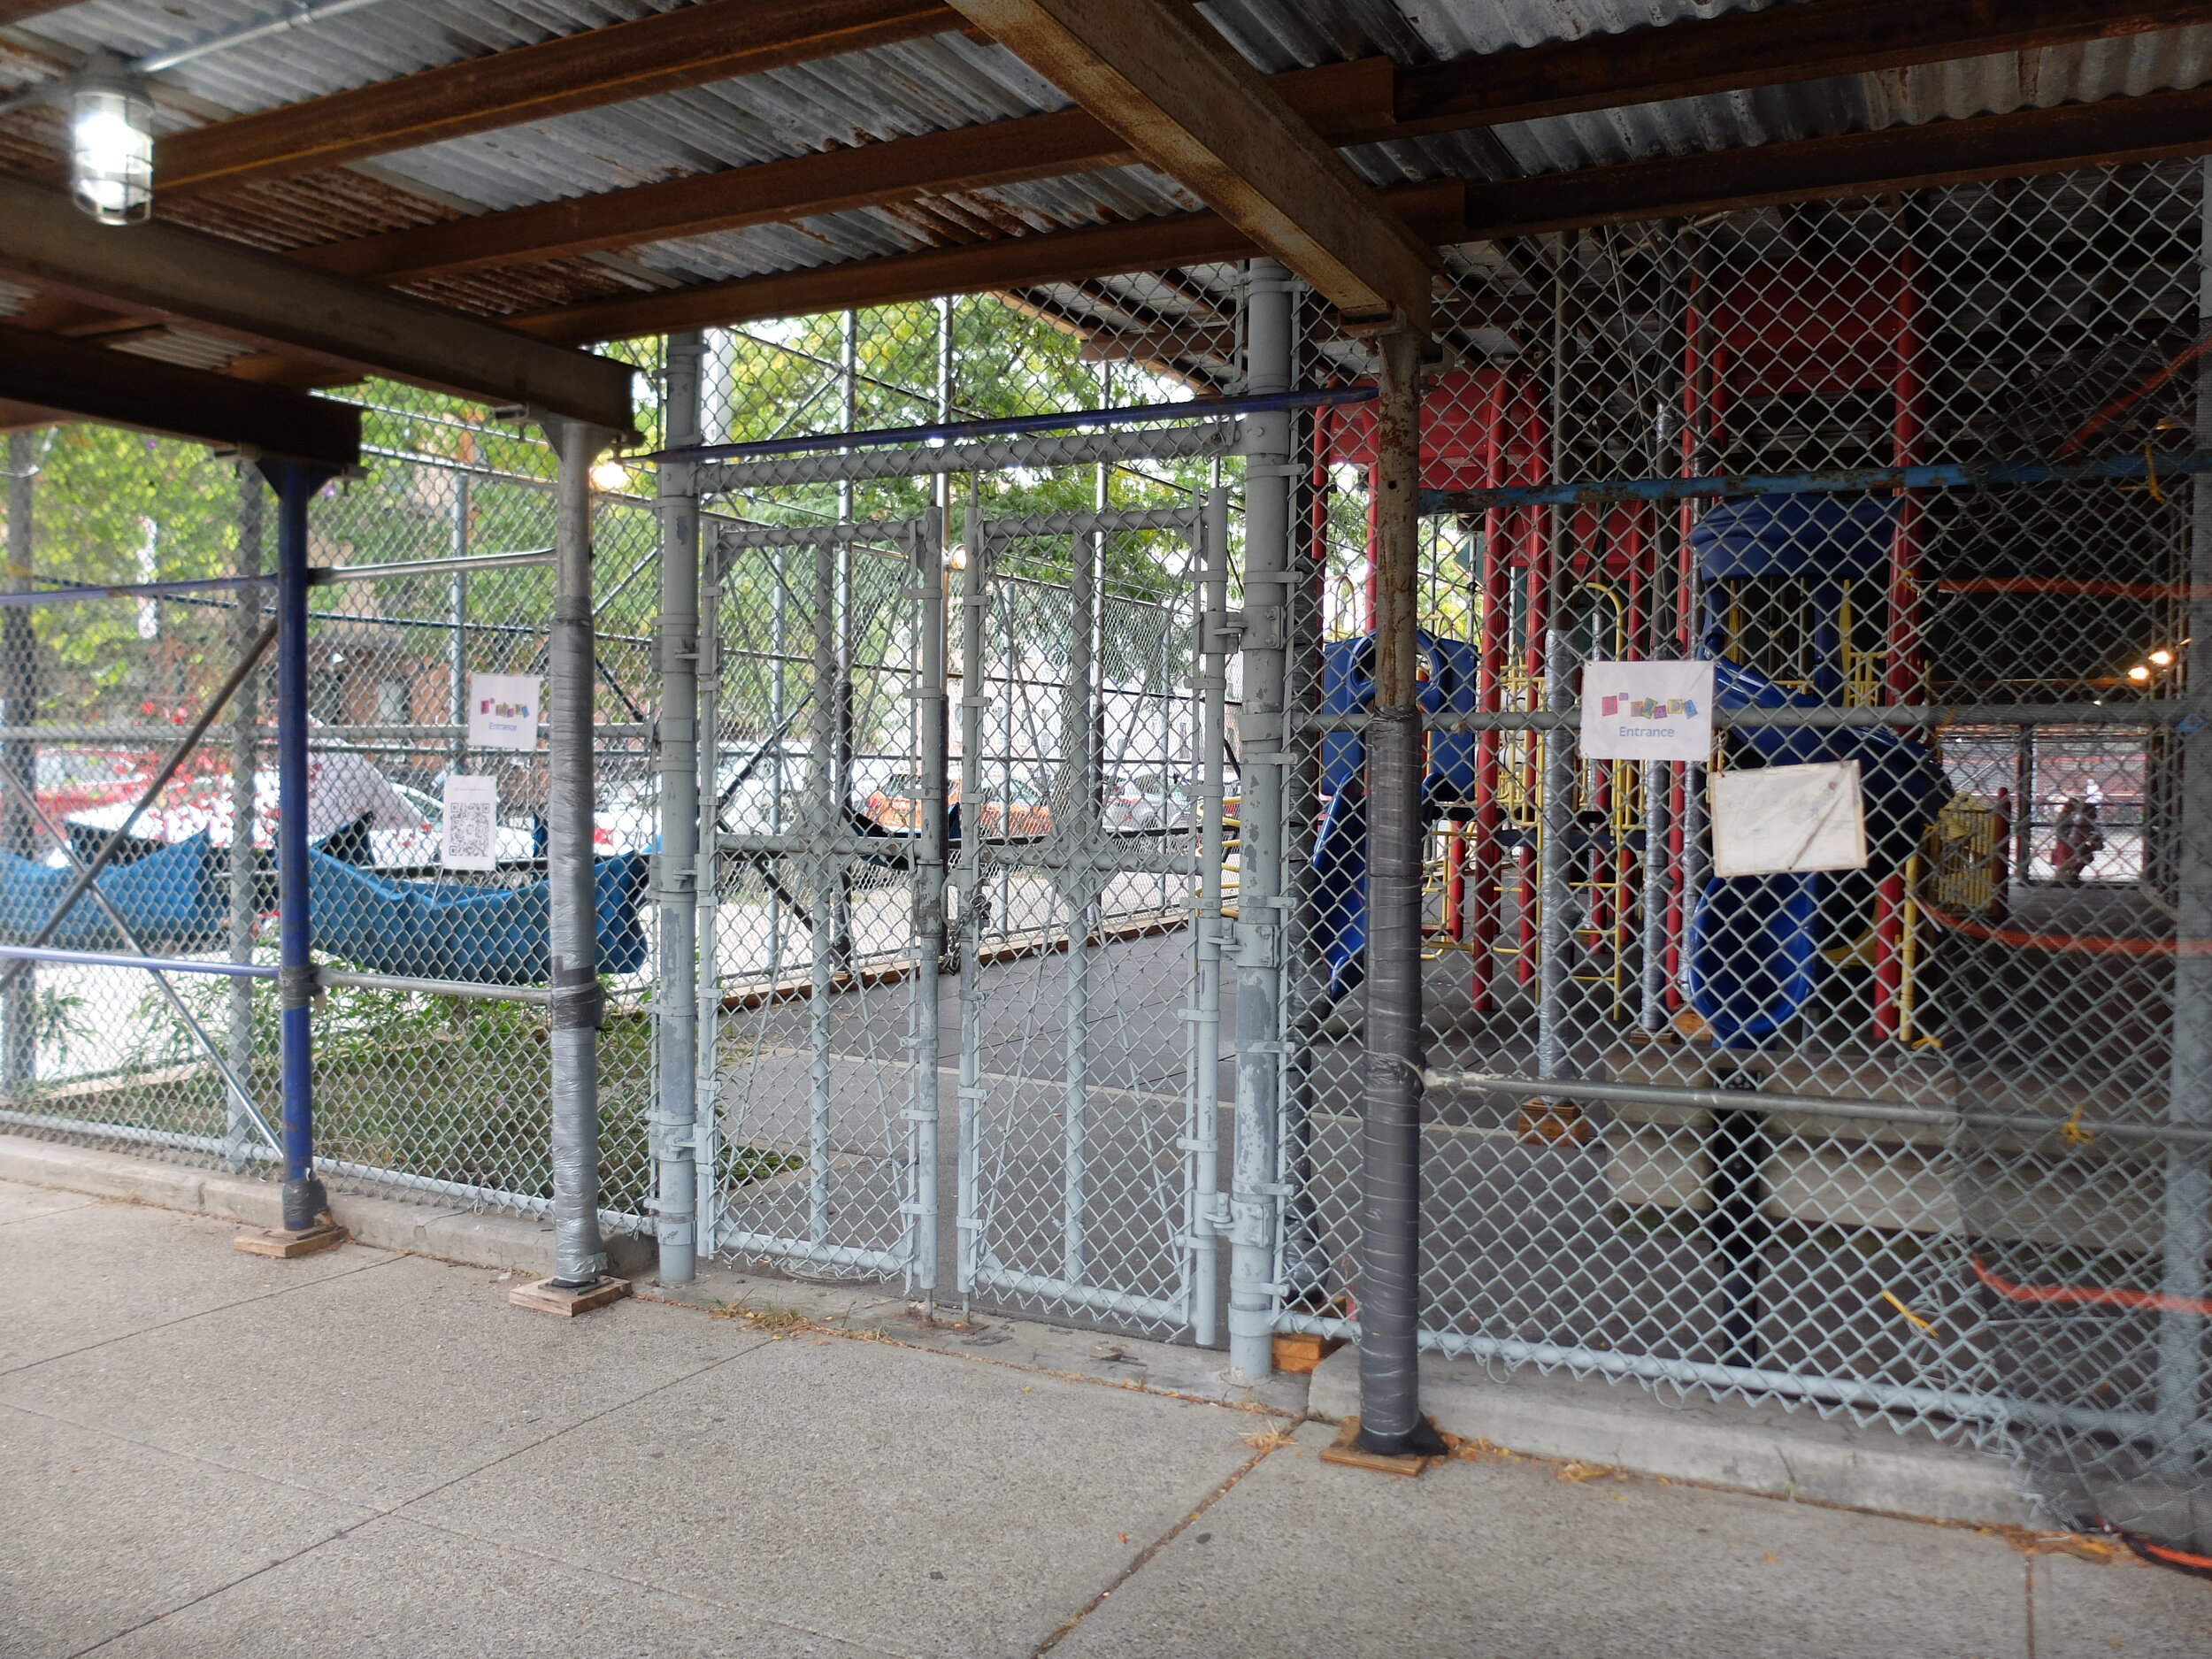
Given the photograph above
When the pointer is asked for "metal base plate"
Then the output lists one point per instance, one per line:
(284, 1243)
(544, 1296)
(1347, 1450)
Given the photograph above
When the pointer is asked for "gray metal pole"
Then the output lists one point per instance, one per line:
(1390, 1142)
(2189, 1089)
(707, 1135)
(457, 606)
(18, 691)
(1078, 802)
(929, 903)
(975, 601)
(1555, 868)
(1254, 1209)
(245, 761)
(580, 1260)
(676, 1115)
(1204, 1138)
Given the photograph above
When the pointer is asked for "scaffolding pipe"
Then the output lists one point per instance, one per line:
(1077, 798)
(579, 1258)
(706, 1090)
(975, 602)
(294, 483)
(675, 1116)
(1556, 871)
(2189, 1090)
(1254, 1207)
(929, 907)
(19, 758)
(1390, 1170)
(1203, 1137)
(824, 817)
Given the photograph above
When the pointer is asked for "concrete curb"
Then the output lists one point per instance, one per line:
(522, 1244)
(1713, 1443)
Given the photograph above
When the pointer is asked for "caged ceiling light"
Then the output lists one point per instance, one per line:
(111, 144)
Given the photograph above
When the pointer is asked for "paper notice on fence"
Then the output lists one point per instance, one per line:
(471, 823)
(504, 710)
(1771, 820)
(1647, 711)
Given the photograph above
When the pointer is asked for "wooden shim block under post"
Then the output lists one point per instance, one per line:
(284, 1243)
(1347, 1450)
(544, 1296)
(1298, 1352)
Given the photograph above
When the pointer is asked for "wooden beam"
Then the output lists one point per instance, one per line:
(1432, 210)
(95, 383)
(163, 271)
(2162, 126)
(1742, 50)
(711, 40)
(1362, 102)
(1185, 101)
(1334, 97)
(2158, 126)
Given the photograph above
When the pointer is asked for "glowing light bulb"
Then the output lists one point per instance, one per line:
(2163, 657)
(2138, 673)
(111, 146)
(610, 476)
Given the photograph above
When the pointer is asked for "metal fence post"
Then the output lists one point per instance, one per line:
(1390, 1143)
(579, 1261)
(1253, 1209)
(676, 1116)
(929, 903)
(305, 1202)
(18, 694)
(2189, 1098)
(245, 898)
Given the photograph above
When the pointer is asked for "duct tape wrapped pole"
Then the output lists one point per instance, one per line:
(675, 1119)
(581, 1280)
(1391, 1423)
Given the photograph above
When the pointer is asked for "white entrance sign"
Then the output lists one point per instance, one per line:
(470, 841)
(1772, 821)
(504, 710)
(1647, 711)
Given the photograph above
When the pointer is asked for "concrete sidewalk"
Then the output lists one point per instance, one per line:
(371, 1452)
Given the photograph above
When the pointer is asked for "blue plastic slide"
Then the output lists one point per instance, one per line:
(1340, 848)
(482, 935)
(175, 899)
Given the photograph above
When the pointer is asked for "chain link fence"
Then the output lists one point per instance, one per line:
(1905, 1119)
(444, 1092)
(1031, 784)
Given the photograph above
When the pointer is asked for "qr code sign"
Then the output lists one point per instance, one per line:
(471, 823)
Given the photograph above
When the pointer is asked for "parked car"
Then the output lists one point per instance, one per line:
(1149, 800)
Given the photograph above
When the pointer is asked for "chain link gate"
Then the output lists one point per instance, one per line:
(822, 661)
(1091, 798)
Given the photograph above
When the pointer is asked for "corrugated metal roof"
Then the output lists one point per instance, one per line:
(950, 82)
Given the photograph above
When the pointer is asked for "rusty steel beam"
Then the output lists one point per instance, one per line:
(1185, 100)
(1432, 210)
(1364, 102)
(2158, 126)
(163, 273)
(1742, 50)
(90, 382)
(1336, 97)
(711, 40)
